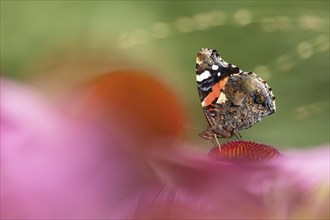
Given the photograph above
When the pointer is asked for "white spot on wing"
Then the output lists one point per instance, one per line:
(222, 98)
(219, 74)
(204, 75)
(215, 67)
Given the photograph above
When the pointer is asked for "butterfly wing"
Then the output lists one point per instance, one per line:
(232, 100)
(249, 99)
(212, 74)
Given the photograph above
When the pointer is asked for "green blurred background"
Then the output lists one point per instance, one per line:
(58, 44)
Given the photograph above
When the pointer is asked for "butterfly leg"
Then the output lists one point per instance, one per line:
(237, 134)
(217, 142)
(210, 135)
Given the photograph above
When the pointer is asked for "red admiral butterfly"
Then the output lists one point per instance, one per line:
(232, 100)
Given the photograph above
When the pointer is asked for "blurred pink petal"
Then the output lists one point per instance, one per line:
(195, 187)
(55, 164)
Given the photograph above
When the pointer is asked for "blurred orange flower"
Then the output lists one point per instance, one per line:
(142, 108)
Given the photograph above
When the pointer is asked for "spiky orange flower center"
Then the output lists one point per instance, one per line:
(242, 150)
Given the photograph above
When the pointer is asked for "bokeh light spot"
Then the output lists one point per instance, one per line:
(243, 17)
(305, 50)
(283, 23)
(218, 17)
(305, 111)
(140, 36)
(185, 24)
(310, 22)
(126, 40)
(203, 21)
(285, 62)
(263, 71)
(160, 30)
(268, 24)
(322, 43)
